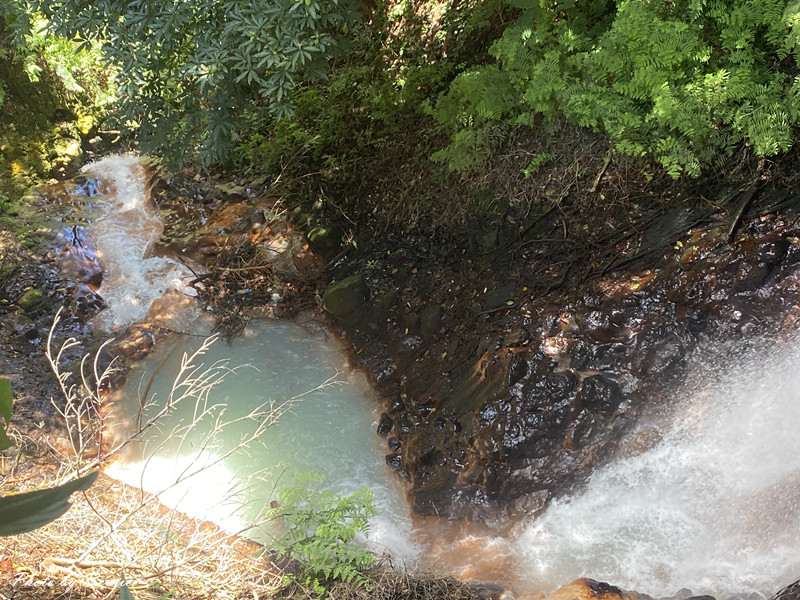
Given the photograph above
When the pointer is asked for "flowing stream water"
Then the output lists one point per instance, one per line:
(713, 506)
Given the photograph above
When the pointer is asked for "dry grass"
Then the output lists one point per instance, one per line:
(159, 553)
(116, 534)
(389, 584)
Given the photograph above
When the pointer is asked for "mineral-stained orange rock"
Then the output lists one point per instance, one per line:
(589, 589)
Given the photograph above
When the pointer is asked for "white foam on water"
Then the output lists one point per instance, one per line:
(124, 230)
(714, 506)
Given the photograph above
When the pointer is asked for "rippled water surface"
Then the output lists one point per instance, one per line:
(124, 228)
(327, 430)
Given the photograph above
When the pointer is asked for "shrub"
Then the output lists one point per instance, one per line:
(52, 91)
(321, 533)
(683, 82)
(188, 70)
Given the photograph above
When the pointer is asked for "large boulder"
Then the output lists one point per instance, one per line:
(343, 298)
(589, 589)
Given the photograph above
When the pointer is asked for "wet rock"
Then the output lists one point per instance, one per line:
(600, 394)
(773, 251)
(751, 277)
(589, 589)
(393, 443)
(662, 353)
(395, 462)
(31, 300)
(385, 424)
(518, 369)
(518, 336)
(529, 505)
(137, 343)
(345, 297)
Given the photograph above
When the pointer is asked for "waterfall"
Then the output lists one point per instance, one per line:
(124, 230)
(713, 506)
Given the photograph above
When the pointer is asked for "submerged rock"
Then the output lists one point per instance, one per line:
(385, 424)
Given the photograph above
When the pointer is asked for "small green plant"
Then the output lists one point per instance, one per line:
(188, 71)
(536, 163)
(322, 531)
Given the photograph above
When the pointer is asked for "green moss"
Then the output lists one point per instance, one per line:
(31, 300)
(345, 297)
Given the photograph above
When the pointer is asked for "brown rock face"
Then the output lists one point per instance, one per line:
(514, 398)
(589, 589)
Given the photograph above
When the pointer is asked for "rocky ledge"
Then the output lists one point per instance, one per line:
(502, 394)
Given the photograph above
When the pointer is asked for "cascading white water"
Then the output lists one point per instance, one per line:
(714, 506)
(124, 230)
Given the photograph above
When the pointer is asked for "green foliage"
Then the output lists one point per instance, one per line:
(683, 82)
(375, 103)
(52, 92)
(21, 513)
(536, 163)
(322, 532)
(6, 411)
(188, 71)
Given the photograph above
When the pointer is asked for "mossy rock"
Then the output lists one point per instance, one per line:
(31, 300)
(343, 298)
